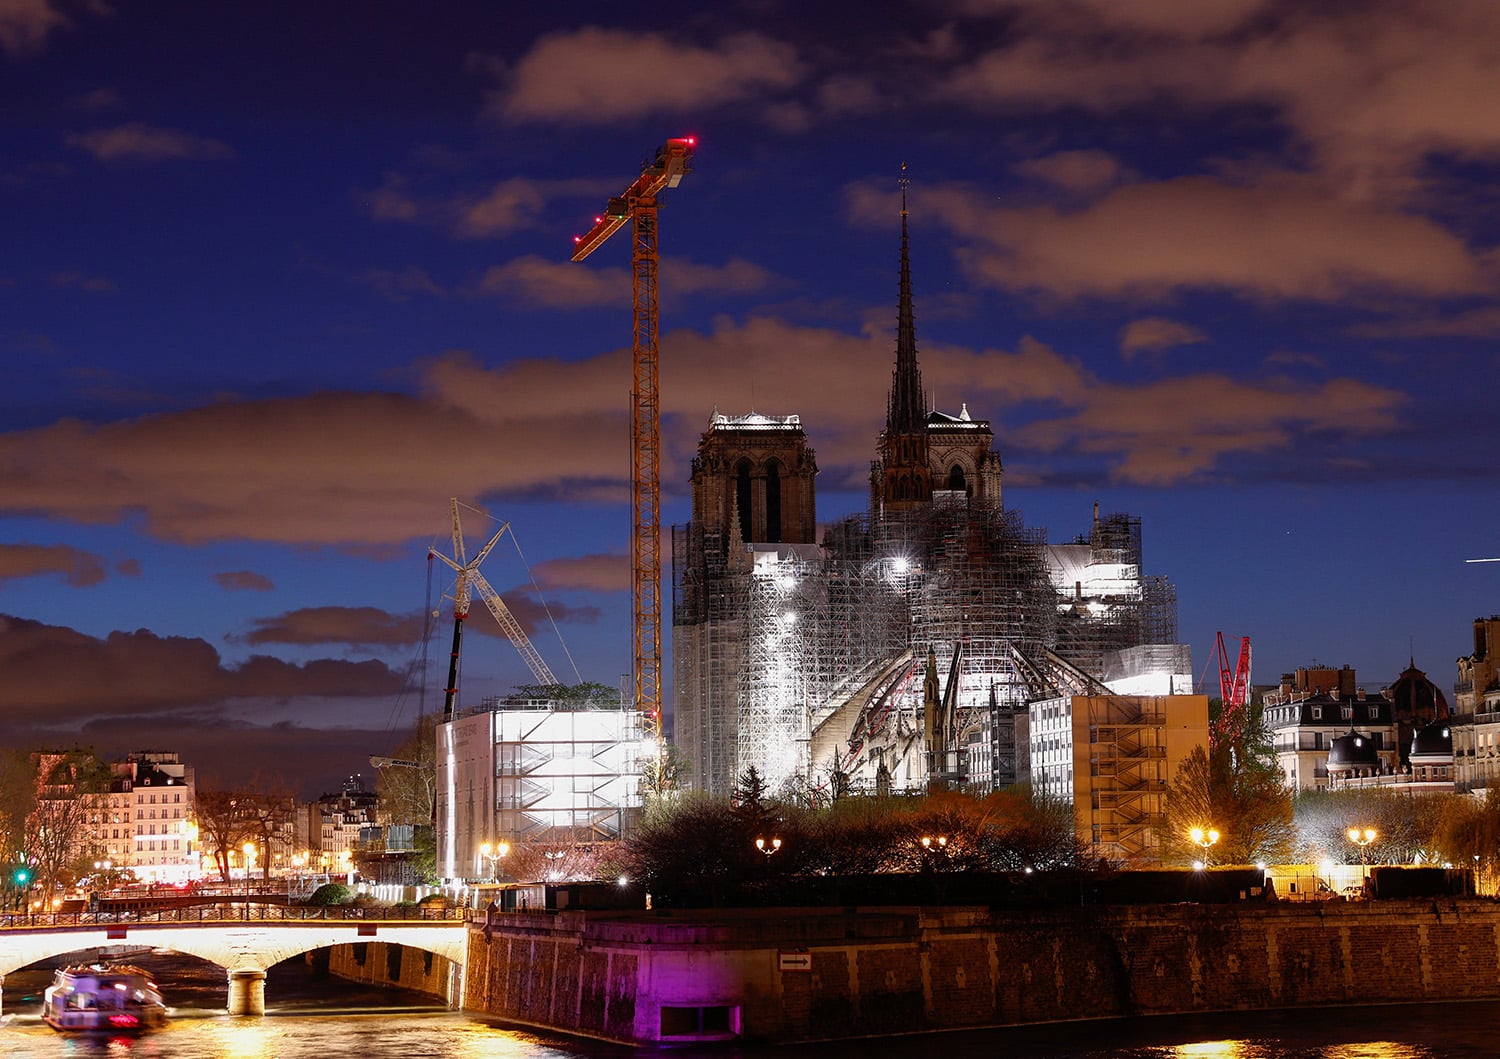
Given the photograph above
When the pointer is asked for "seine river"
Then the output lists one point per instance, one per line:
(321, 1018)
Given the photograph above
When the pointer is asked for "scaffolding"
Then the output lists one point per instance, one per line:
(806, 661)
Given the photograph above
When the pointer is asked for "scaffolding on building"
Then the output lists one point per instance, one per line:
(807, 662)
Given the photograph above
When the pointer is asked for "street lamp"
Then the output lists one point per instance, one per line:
(1362, 837)
(493, 853)
(768, 847)
(1205, 838)
(249, 851)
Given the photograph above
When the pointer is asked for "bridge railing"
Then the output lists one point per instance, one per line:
(236, 912)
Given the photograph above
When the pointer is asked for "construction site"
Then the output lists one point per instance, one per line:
(933, 640)
(902, 647)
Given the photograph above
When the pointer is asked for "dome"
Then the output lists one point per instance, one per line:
(1414, 696)
(1353, 751)
(1433, 741)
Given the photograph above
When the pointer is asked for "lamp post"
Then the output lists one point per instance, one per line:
(1362, 837)
(1204, 837)
(768, 847)
(249, 850)
(493, 853)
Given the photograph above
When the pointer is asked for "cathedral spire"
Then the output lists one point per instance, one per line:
(906, 413)
(901, 477)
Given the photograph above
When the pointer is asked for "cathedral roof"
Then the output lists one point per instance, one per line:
(947, 421)
(754, 421)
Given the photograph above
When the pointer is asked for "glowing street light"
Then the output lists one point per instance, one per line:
(768, 847)
(1362, 837)
(493, 853)
(1205, 838)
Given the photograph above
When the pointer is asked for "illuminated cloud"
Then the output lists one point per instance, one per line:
(1079, 172)
(537, 281)
(135, 141)
(244, 581)
(1281, 238)
(51, 670)
(25, 25)
(1155, 334)
(350, 626)
(1370, 89)
(79, 569)
(590, 573)
(536, 617)
(509, 206)
(596, 75)
(362, 469)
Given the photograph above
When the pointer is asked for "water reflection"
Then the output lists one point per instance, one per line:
(1215, 1050)
(1378, 1050)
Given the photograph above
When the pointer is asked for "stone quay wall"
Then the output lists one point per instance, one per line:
(392, 966)
(781, 975)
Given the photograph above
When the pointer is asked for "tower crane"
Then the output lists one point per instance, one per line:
(638, 205)
(1234, 692)
(469, 578)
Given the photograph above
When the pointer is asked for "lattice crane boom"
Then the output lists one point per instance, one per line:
(638, 205)
(1234, 691)
(467, 579)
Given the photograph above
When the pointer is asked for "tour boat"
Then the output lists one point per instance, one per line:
(116, 998)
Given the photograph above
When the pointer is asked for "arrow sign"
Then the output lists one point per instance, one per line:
(794, 961)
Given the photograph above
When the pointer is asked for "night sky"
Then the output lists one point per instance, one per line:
(279, 279)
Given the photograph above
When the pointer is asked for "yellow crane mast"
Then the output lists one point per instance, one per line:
(638, 205)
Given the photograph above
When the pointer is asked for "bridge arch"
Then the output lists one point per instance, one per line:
(246, 950)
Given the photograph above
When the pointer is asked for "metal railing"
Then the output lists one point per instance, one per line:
(234, 912)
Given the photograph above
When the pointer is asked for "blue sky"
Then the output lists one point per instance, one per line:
(279, 279)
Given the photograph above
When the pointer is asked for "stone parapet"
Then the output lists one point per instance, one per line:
(782, 975)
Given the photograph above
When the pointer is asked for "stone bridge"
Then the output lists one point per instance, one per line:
(244, 940)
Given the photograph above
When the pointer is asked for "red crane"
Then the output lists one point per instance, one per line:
(638, 205)
(1234, 692)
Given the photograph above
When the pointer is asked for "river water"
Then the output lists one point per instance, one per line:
(316, 1017)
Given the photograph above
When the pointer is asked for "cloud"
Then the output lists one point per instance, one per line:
(1370, 91)
(78, 568)
(533, 615)
(375, 469)
(244, 581)
(25, 25)
(136, 141)
(399, 285)
(1079, 172)
(353, 626)
(1281, 238)
(540, 282)
(91, 284)
(53, 671)
(590, 573)
(1154, 334)
(596, 75)
(1482, 322)
(507, 207)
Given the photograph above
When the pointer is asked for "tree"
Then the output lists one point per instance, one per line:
(223, 825)
(1404, 824)
(1236, 790)
(406, 786)
(72, 793)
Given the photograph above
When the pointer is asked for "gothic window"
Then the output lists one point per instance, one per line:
(773, 503)
(956, 477)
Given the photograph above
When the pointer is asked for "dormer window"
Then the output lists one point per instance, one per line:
(1317, 713)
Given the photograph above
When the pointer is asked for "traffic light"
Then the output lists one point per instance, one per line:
(21, 876)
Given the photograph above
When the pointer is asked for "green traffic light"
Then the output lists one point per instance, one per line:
(22, 876)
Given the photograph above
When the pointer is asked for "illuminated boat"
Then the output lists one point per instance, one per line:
(113, 998)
